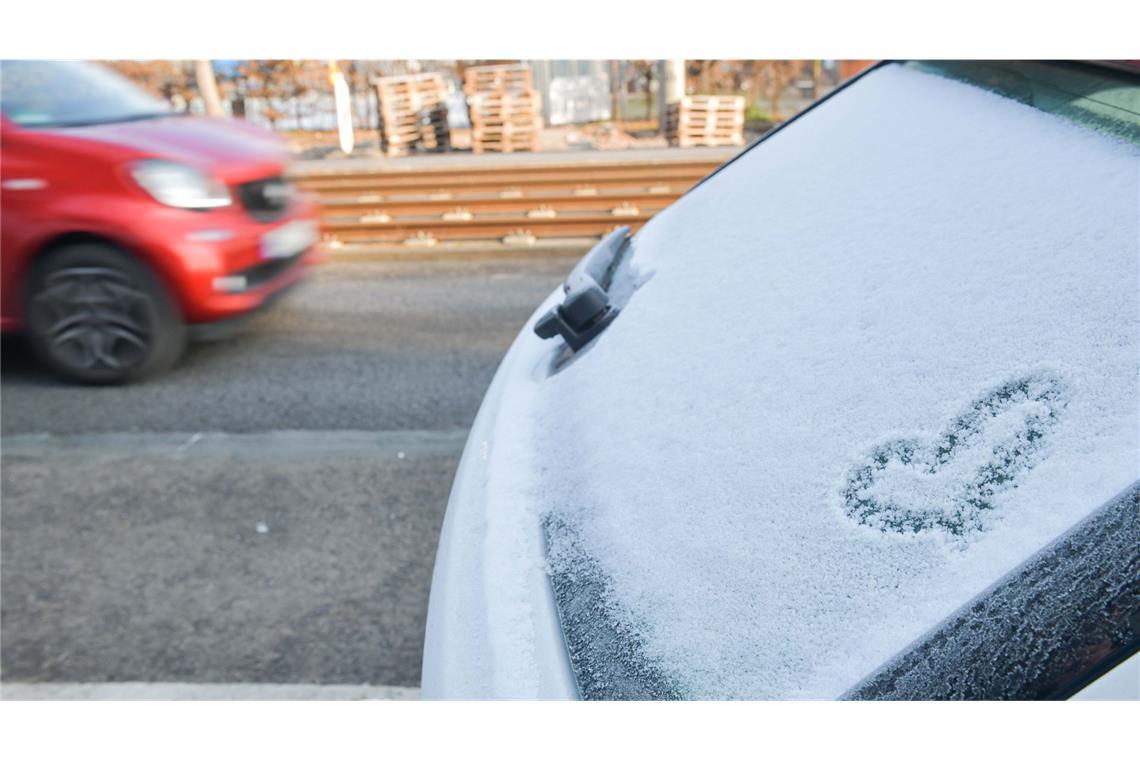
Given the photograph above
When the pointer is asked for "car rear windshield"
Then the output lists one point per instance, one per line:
(1094, 96)
(71, 93)
(865, 372)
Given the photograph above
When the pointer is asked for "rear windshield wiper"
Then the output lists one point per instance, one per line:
(586, 310)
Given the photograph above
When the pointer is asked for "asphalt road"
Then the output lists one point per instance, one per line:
(268, 512)
(382, 346)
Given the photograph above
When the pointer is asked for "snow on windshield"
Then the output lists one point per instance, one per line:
(871, 367)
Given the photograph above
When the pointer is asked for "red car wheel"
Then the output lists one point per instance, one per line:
(98, 315)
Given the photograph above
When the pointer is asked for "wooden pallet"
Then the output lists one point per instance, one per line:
(505, 110)
(505, 145)
(498, 106)
(410, 83)
(715, 119)
(708, 142)
(712, 120)
(710, 102)
(703, 127)
(435, 134)
(512, 77)
(498, 129)
(413, 114)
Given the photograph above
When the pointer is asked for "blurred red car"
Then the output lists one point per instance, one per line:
(127, 228)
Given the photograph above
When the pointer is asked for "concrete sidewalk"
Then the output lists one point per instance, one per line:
(137, 691)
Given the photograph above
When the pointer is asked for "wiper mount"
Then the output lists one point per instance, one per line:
(586, 310)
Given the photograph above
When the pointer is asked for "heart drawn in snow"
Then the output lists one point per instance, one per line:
(949, 484)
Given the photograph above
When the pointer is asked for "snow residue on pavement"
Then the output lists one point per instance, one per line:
(921, 283)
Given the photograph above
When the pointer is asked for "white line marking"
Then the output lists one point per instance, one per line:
(272, 445)
(193, 439)
(136, 691)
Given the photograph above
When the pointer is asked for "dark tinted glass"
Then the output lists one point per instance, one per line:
(71, 93)
(1093, 96)
(1047, 630)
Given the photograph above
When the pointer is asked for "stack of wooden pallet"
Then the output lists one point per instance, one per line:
(705, 120)
(413, 114)
(506, 111)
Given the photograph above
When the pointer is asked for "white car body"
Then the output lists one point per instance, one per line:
(749, 457)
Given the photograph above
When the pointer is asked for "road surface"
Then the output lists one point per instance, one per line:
(268, 512)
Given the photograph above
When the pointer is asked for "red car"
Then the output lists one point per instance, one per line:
(127, 228)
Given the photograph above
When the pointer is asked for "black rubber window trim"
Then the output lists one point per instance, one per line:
(1048, 629)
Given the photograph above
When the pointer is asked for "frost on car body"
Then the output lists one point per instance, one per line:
(918, 281)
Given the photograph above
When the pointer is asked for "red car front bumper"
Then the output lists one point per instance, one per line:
(217, 264)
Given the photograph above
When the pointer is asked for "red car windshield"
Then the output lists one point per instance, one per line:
(71, 94)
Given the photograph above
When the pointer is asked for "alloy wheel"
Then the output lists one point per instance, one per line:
(94, 318)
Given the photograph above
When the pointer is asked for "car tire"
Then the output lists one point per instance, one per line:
(98, 315)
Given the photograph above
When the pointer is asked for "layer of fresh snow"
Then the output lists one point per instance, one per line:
(919, 282)
(492, 629)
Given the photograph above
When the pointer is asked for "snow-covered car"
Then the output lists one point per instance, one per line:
(856, 417)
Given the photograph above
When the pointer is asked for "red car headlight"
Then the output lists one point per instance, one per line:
(179, 185)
